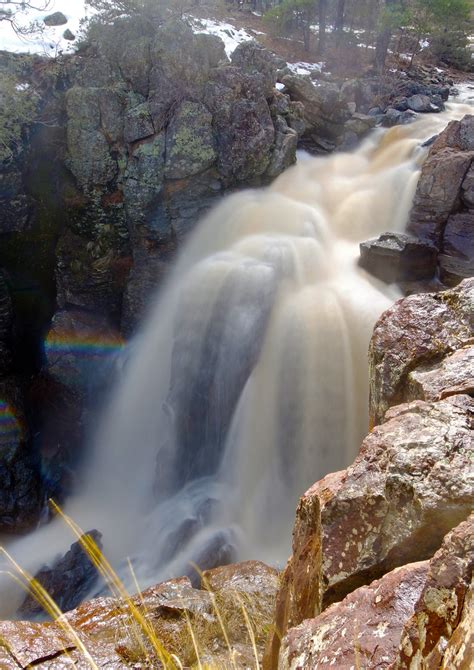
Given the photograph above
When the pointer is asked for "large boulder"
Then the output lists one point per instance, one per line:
(456, 261)
(190, 143)
(417, 332)
(395, 257)
(406, 489)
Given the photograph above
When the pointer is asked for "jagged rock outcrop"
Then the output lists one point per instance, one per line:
(413, 337)
(439, 633)
(116, 634)
(443, 212)
(146, 128)
(363, 630)
(406, 489)
(414, 616)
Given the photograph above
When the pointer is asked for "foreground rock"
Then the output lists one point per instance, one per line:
(415, 616)
(363, 630)
(412, 338)
(116, 634)
(407, 488)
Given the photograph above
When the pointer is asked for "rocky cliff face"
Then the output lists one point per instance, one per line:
(138, 136)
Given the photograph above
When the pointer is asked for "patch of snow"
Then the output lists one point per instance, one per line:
(229, 34)
(366, 46)
(279, 86)
(302, 67)
(424, 44)
(47, 40)
(22, 87)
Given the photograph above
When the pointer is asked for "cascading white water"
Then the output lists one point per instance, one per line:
(248, 381)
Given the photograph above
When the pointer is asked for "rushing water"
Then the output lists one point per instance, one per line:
(248, 381)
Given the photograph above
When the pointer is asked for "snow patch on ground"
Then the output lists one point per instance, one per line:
(302, 67)
(49, 40)
(229, 34)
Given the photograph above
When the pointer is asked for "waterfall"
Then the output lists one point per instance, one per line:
(248, 380)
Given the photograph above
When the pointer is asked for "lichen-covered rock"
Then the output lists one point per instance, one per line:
(244, 127)
(89, 156)
(416, 616)
(138, 123)
(410, 484)
(437, 634)
(144, 179)
(417, 331)
(190, 144)
(363, 630)
(253, 59)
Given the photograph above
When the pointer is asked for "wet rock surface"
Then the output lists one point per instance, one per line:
(364, 629)
(414, 616)
(109, 631)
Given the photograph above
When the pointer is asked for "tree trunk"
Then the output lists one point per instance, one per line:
(340, 10)
(383, 41)
(323, 8)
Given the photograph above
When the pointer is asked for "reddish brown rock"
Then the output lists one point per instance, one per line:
(362, 631)
(416, 616)
(453, 375)
(417, 331)
(439, 624)
(112, 631)
(407, 488)
(459, 651)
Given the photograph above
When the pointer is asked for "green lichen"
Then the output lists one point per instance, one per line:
(188, 144)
